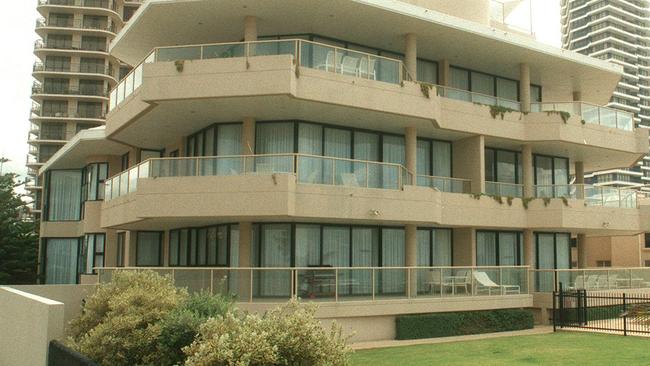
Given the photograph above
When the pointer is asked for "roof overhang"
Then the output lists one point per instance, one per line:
(74, 154)
(377, 23)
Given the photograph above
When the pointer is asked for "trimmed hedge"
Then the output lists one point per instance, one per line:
(462, 323)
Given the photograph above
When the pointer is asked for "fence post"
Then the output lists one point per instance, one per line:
(555, 295)
(561, 305)
(624, 316)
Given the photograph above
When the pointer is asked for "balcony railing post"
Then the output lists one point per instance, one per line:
(373, 283)
(501, 280)
(367, 175)
(336, 284)
(250, 288)
(408, 283)
(212, 281)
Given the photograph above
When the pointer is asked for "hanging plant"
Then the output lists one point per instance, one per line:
(510, 200)
(496, 110)
(564, 115)
(426, 89)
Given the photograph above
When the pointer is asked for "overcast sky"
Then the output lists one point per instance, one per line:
(17, 39)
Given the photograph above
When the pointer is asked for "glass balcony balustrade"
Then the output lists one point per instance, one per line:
(590, 114)
(602, 196)
(344, 284)
(596, 279)
(309, 169)
(307, 54)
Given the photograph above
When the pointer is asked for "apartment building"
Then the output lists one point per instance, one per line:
(381, 158)
(72, 76)
(616, 31)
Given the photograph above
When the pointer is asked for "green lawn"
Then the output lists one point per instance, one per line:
(564, 348)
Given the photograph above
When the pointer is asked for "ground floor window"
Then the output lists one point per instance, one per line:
(61, 260)
(148, 251)
(434, 247)
(552, 251)
(215, 246)
(499, 248)
(121, 245)
(92, 252)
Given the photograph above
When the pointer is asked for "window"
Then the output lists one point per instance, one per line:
(603, 263)
(121, 249)
(60, 20)
(503, 166)
(94, 176)
(208, 246)
(125, 162)
(434, 158)
(55, 108)
(93, 43)
(59, 41)
(64, 195)
(52, 131)
(61, 260)
(92, 252)
(499, 248)
(89, 110)
(57, 63)
(434, 247)
(551, 176)
(149, 154)
(56, 86)
(91, 87)
(92, 65)
(553, 250)
(647, 240)
(647, 263)
(148, 251)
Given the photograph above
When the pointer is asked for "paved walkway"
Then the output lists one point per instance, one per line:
(474, 337)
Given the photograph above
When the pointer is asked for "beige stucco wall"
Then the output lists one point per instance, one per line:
(474, 10)
(70, 295)
(27, 324)
(622, 251)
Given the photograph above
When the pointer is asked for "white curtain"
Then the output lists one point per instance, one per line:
(338, 143)
(148, 248)
(229, 144)
(336, 253)
(561, 176)
(393, 151)
(423, 160)
(274, 138)
(310, 141)
(392, 245)
(61, 261)
(544, 176)
(508, 249)
(365, 253)
(308, 245)
(427, 71)
(366, 147)
(507, 89)
(486, 249)
(545, 260)
(424, 248)
(442, 247)
(275, 252)
(173, 247)
(64, 195)
(441, 161)
(459, 79)
(482, 83)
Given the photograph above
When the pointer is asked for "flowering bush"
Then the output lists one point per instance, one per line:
(120, 322)
(288, 335)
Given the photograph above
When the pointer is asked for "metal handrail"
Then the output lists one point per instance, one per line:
(145, 169)
(249, 51)
(475, 97)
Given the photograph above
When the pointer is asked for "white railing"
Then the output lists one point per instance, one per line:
(593, 279)
(590, 113)
(473, 97)
(307, 54)
(593, 195)
(504, 189)
(445, 184)
(309, 169)
(344, 283)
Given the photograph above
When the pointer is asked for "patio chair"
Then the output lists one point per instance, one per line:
(349, 66)
(602, 282)
(349, 179)
(592, 282)
(367, 68)
(485, 283)
(579, 283)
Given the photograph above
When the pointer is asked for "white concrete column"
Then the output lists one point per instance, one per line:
(528, 173)
(524, 87)
(469, 161)
(579, 172)
(582, 251)
(411, 145)
(444, 73)
(529, 248)
(248, 136)
(411, 54)
(250, 29)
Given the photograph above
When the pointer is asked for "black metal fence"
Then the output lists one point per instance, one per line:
(626, 313)
(60, 355)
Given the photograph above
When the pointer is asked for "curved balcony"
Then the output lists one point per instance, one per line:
(40, 91)
(309, 169)
(102, 71)
(590, 114)
(41, 48)
(110, 7)
(100, 28)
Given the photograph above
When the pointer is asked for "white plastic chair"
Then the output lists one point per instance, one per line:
(367, 68)
(485, 283)
(349, 66)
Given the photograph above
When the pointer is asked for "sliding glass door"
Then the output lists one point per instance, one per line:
(61, 260)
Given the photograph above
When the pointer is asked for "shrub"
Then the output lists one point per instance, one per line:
(120, 322)
(288, 335)
(462, 323)
(180, 327)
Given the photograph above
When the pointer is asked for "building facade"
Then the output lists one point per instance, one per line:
(616, 31)
(72, 75)
(382, 158)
